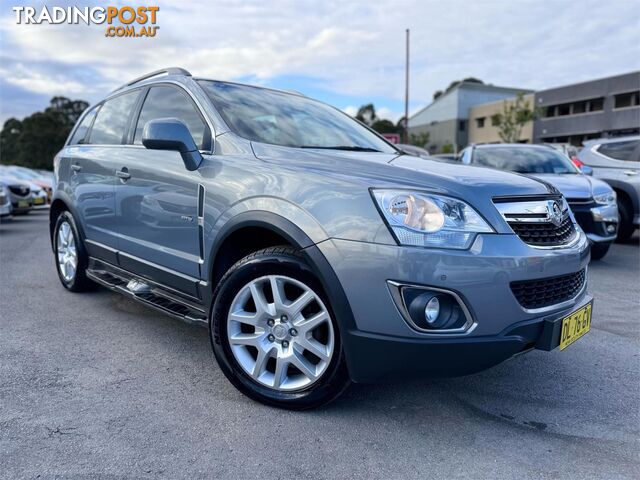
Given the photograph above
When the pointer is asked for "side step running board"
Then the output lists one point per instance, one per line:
(152, 295)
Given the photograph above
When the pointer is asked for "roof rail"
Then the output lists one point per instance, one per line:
(168, 71)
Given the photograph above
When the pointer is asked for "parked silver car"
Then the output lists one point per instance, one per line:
(316, 252)
(20, 195)
(617, 162)
(413, 150)
(5, 201)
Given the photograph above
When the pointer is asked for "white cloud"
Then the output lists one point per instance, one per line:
(354, 49)
(350, 110)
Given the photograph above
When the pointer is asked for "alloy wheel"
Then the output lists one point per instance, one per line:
(280, 333)
(67, 252)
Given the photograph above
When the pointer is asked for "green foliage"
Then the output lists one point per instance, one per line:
(447, 148)
(515, 114)
(419, 139)
(34, 141)
(455, 83)
(384, 126)
(367, 114)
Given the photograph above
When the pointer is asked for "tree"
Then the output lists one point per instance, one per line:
(447, 148)
(438, 93)
(384, 126)
(367, 114)
(515, 114)
(419, 139)
(34, 141)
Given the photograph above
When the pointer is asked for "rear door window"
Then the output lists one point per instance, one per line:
(619, 150)
(112, 120)
(171, 102)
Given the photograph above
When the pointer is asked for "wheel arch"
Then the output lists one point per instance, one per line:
(60, 203)
(626, 192)
(283, 231)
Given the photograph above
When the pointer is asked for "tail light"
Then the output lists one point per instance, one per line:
(576, 161)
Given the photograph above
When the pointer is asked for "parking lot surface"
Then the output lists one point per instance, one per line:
(95, 385)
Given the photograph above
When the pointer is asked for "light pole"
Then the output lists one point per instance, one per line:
(406, 94)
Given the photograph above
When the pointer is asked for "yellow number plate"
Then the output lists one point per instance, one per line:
(575, 326)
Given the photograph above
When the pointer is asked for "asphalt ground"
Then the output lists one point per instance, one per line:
(96, 386)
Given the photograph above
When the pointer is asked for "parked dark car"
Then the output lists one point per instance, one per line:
(592, 201)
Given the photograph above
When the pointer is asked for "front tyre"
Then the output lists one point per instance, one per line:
(599, 250)
(71, 256)
(274, 334)
(625, 227)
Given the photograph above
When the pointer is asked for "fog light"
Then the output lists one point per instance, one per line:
(611, 228)
(432, 310)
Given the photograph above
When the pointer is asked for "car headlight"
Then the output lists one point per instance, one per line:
(607, 198)
(427, 220)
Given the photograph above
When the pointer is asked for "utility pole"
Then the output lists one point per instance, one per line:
(406, 95)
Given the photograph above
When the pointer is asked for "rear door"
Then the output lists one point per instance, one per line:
(157, 197)
(92, 158)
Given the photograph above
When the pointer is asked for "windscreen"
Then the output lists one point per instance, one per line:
(289, 120)
(524, 160)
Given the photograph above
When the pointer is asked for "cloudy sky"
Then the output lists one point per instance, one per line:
(345, 52)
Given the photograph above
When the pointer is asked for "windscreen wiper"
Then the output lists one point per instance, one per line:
(348, 148)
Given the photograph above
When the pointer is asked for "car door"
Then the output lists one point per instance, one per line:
(157, 197)
(91, 159)
(617, 160)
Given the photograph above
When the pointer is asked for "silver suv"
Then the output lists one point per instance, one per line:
(617, 162)
(316, 252)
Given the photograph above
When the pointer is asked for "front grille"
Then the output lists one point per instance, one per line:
(545, 234)
(18, 190)
(544, 292)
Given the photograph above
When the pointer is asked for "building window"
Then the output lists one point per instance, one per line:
(629, 99)
(574, 108)
(596, 105)
(564, 109)
(579, 107)
(462, 125)
(480, 122)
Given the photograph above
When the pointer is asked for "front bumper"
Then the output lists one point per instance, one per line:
(5, 209)
(386, 358)
(599, 222)
(40, 202)
(383, 344)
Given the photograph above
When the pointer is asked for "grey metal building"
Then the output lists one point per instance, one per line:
(606, 107)
(446, 118)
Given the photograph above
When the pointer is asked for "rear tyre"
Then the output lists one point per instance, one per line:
(599, 250)
(70, 255)
(274, 333)
(626, 227)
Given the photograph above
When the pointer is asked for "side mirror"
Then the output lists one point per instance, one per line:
(586, 169)
(172, 134)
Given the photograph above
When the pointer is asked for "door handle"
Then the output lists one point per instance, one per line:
(75, 167)
(630, 172)
(123, 174)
